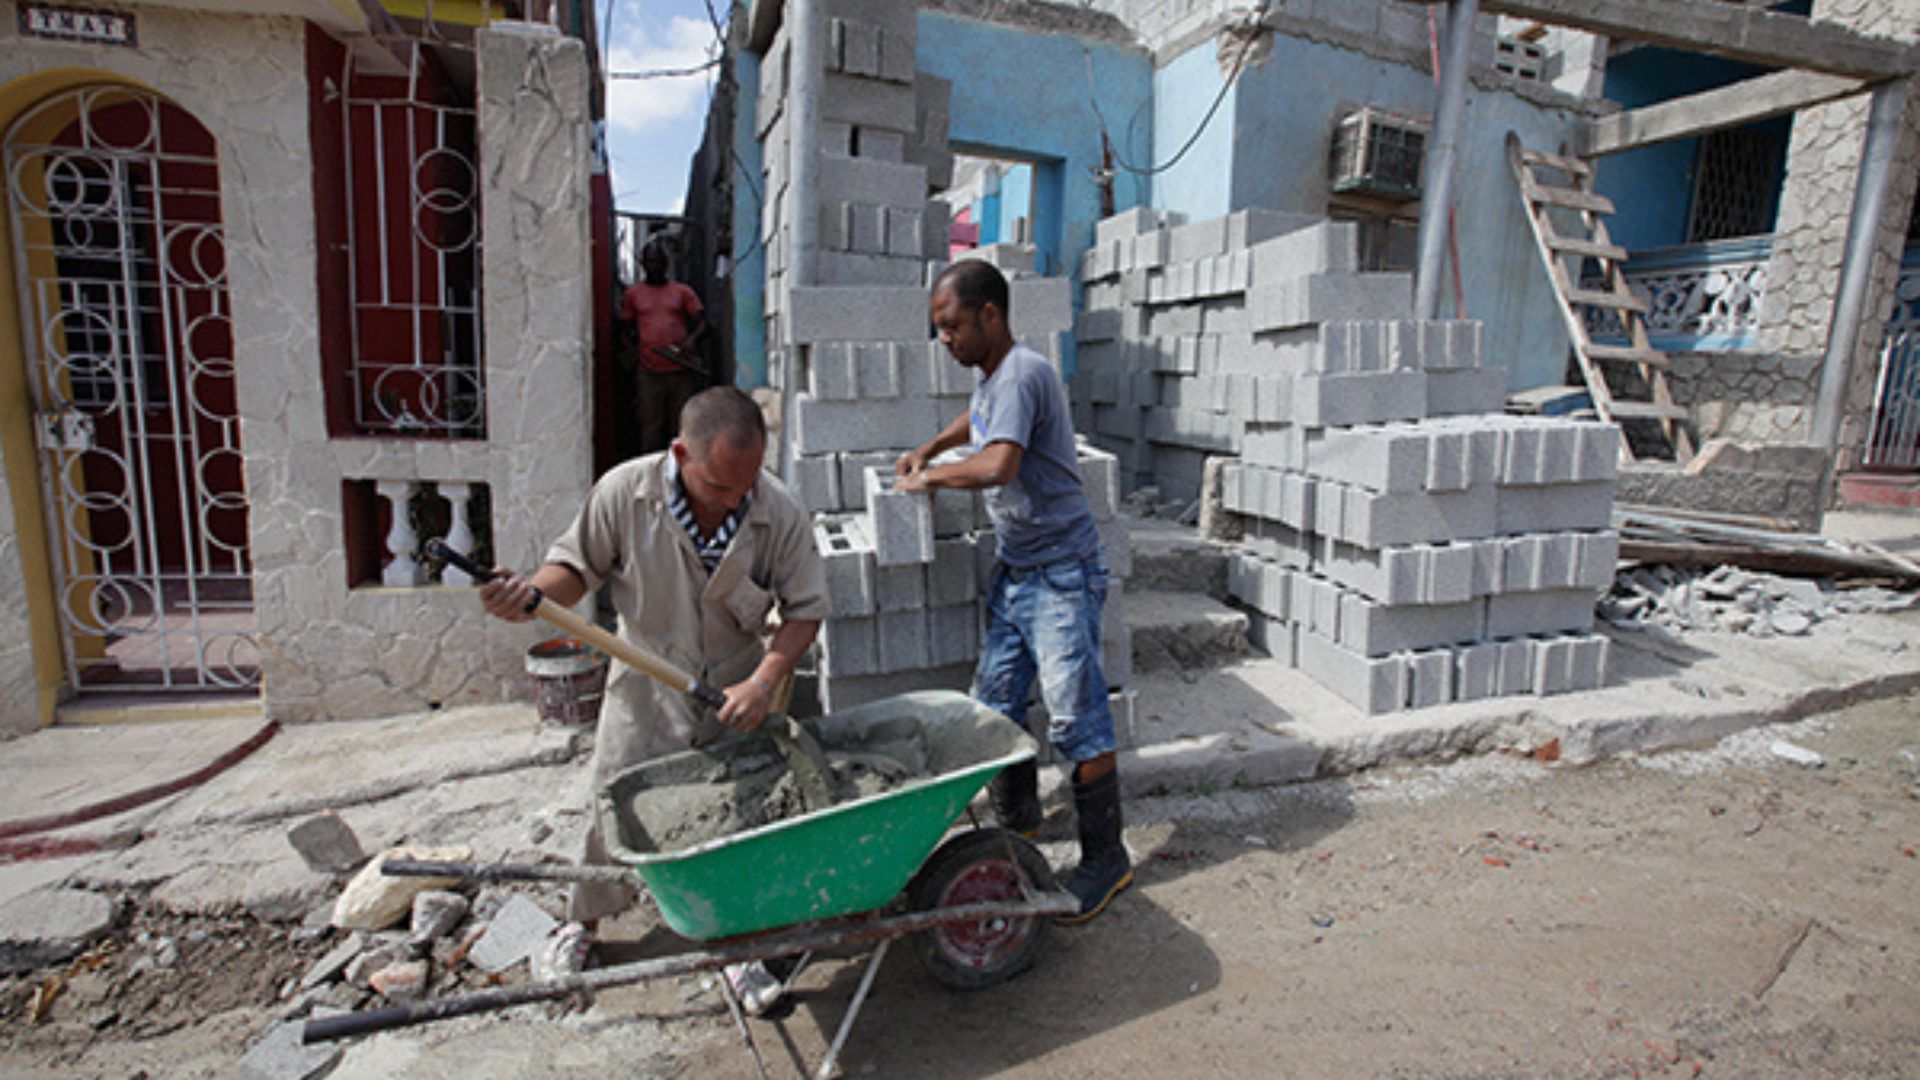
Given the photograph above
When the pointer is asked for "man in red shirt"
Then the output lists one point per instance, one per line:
(668, 320)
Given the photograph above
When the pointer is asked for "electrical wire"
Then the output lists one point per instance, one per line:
(1239, 65)
(666, 73)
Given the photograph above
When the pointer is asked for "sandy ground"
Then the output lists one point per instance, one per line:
(1717, 913)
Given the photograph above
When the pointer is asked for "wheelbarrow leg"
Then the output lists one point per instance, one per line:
(830, 1068)
(740, 1022)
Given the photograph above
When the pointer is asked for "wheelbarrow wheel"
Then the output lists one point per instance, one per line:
(980, 866)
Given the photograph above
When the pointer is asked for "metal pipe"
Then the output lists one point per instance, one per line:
(806, 80)
(1856, 270)
(1443, 151)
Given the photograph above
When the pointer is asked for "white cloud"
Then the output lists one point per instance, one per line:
(646, 45)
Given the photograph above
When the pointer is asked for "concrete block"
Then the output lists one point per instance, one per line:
(853, 47)
(1465, 393)
(903, 640)
(847, 552)
(954, 576)
(884, 14)
(1150, 249)
(1197, 240)
(918, 363)
(936, 225)
(830, 372)
(836, 226)
(1373, 686)
(1515, 675)
(1555, 508)
(897, 62)
(1374, 629)
(1096, 326)
(825, 427)
(849, 646)
(877, 143)
(1325, 247)
(872, 182)
(955, 513)
(816, 482)
(1116, 657)
(950, 379)
(1130, 223)
(326, 843)
(1476, 671)
(901, 523)
(1428, 679)
(838, 694)
(855, 313)
(1569, 663)
(867, 103)
(1321, 298)
(1118, 546)
(903, 232)
(1040, 306)
(1176, 321)
(1226, 316)
(876, 373)
(865, 269)
(1370, 398)
(1598, 558)
(853, 475)
(1489, 565)
(1100, 478)
(1599, 454)
(1522, 613)
(1373, 519)
(899, 588)
(1245, 228)
(953, 634)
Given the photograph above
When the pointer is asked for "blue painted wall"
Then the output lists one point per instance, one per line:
(1653, 186)
(749, 257)
(1025, 95)
(1198, 182)
(1285, 108)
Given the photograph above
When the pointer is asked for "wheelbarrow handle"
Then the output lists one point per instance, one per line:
(628, 653)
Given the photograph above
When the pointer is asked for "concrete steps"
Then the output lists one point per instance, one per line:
(1171, 557)
(1178, 631)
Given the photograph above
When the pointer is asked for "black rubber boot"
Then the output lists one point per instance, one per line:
(1016, 798)
(1105, 867)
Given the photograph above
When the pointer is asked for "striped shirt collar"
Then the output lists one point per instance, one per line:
(710, 548)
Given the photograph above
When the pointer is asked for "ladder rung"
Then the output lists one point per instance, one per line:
(1637, 410)
(1627, 354)
(1616, 301)
(1575, 246)
(1570, 166)
(1572, 199)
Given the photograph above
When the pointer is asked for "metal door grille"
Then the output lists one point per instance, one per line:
(1893, 440)
(413, 213)
(114, 199)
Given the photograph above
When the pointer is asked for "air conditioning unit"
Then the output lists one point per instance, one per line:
(1376, 152)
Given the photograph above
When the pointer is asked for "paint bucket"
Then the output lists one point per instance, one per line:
(569, 679)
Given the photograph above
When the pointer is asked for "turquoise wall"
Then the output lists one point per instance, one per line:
(1025, 95)
(1282, 115)
(749, 257)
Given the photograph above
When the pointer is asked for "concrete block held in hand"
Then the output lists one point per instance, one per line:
(900, 522)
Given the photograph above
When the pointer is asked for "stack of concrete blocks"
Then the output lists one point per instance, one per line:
(906, 585)
(905, 577)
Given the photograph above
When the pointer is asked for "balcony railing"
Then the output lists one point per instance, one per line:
(1702, 296)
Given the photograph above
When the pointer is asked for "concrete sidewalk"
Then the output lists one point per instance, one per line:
(497, 779)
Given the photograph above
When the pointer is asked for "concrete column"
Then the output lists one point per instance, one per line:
(1443, 150)
(806, 68)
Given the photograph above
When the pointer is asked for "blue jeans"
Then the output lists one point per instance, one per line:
(1045, 620)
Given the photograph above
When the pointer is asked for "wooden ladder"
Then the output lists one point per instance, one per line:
(1655, 416)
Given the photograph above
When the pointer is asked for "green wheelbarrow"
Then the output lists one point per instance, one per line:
(703, 831)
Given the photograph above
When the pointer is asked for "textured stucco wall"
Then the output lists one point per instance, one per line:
(1811, 232)
(327, 651)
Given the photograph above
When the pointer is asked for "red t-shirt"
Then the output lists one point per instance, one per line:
(662, 315)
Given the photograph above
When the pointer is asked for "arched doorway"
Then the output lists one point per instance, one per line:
(114, 200)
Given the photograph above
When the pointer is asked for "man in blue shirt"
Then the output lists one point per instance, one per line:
(1043, 605)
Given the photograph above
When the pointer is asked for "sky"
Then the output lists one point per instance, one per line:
(655, 125)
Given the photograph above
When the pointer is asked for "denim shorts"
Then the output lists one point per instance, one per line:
(1045, 621)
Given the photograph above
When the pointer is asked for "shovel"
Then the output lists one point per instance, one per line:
(795, 743)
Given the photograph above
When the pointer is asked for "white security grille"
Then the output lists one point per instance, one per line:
(1893, 442)
(115, 202)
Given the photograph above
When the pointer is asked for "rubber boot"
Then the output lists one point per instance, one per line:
(1016, 798)
(1105, 867)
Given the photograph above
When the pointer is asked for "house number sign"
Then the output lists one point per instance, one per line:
(78, 24)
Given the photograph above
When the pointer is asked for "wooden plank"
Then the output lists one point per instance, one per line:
(1573, 245)
(1572, 199)
(1627, 354)
(1572, 166)
(1770, 95)
(1757, 36)
(1647, 410)
(1611, 301)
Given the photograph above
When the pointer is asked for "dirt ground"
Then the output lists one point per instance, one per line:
(1720, 912)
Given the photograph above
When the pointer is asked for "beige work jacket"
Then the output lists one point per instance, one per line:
(711, 626)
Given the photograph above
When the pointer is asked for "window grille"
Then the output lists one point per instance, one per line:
(1736, 184)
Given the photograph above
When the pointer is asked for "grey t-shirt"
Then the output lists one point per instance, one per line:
(1041, 516)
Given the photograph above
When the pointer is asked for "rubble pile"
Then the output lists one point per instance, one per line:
(1727, 599)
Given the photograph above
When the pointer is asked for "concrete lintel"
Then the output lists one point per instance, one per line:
(1738, 33)
(1713, 110)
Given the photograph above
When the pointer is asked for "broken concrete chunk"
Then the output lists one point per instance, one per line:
(335, 962)
(1798, 755)
(435, 914)
(374, 901)
(280, 1055)
(1789, 622)
(404, 981)
(46, 926)
(327, 844)
(517, 930)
